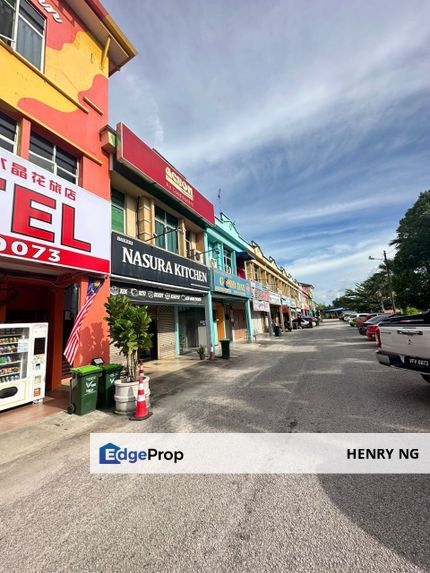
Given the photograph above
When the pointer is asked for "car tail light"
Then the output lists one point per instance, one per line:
(378, 338)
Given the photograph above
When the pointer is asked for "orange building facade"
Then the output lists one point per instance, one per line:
(56, 58)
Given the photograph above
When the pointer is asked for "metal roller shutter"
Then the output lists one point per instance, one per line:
(166, 332)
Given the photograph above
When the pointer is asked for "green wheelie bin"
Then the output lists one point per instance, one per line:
(83, 389)
(106, 394)
(225, 348)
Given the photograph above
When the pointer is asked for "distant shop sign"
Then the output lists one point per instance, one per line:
(274, 298)
(260, 292)
(230, 284)
(136, 259)
(260, 305)
(46, 219)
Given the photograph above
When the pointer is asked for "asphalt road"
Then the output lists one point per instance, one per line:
(55, 516)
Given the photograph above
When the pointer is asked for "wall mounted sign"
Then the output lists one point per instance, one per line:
(153, 296)
(259, 291)
(46, 219)
(230, 284)
(274, 298)
(260, 305)
(136, 259)
(133, 152)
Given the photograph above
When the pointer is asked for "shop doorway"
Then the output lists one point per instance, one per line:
(191, 320)
(151, 353)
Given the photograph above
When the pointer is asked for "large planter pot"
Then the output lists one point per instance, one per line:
(126, 396)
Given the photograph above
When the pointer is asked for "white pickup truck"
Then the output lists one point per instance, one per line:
(404, 342)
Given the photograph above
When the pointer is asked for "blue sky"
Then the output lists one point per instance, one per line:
(311, 117)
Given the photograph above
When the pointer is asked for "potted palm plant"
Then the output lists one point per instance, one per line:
(128, 330)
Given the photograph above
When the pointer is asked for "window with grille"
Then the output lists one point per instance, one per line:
(53, 158)
(118, 211)
(23, 28)
(166, 230)
(7, 133)
(228, 264)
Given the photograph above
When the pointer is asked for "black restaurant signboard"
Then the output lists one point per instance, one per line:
(135, 259)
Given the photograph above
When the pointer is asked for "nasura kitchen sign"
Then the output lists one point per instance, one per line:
(136, 259)
(46, 219)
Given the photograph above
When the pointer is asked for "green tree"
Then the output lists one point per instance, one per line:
(128, 330)
(370, 295)
(411, 266)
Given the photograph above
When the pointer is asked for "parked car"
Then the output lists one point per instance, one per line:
(362, 319)
(404, 342)
(373, 319)
(353, 319)
(371, 326)
(346, 314)
(311, 319)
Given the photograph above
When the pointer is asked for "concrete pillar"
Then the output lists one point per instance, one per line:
(55, 340)
(248, 317)
(177, 344)
(209, 322)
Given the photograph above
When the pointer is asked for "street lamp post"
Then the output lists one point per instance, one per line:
(385, 260)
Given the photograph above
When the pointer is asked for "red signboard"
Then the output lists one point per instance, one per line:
(134, 152)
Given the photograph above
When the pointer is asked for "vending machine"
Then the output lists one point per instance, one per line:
(23, 349)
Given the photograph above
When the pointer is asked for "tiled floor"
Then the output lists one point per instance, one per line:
(29, 413)
(58, 400)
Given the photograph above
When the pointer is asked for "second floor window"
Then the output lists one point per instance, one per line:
(7, 133)
(228, 265)
(23, 28)
(53, 158)
(166, 226)
(118, 211)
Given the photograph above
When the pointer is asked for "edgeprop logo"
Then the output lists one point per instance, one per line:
(112, 454)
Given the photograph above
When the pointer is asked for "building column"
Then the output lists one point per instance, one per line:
(177, 342)
(281, 318)
(209, 322)
(249, 324)
(55, 340)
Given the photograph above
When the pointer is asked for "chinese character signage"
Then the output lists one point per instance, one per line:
(46, 219)
(229, 284)
(137, 155)
(136, 259)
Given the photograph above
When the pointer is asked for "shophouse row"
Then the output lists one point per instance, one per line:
(80, 200)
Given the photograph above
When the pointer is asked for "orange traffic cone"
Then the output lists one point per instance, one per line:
(141, 409)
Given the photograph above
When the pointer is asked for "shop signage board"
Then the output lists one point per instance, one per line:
(133, 258)
(288, 301)
(153, 296)
(133, 152)
(260, 305)
(230, 284)
(46, 219)
(259, 291)
(275, 298)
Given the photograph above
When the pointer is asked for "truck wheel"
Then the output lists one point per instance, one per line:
(426, 377)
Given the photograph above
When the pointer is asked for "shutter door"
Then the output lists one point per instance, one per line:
(166, 332)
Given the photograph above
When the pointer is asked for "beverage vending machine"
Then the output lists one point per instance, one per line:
(23, 350)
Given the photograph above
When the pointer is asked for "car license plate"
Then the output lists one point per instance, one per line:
(418, 363)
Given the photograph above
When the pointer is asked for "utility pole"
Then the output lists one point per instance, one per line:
(390, 286)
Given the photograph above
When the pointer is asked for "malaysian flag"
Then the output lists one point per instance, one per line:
(73, 342)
